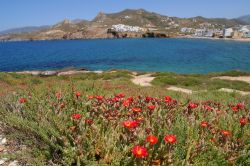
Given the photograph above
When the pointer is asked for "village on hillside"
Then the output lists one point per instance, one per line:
(206, 30)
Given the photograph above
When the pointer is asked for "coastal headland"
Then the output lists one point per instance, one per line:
(136, 24)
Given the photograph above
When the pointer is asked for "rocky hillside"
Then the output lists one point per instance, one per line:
(98, 27)
(245, 19)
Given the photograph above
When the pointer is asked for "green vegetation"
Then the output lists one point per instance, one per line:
(201, 82)
(79, 119)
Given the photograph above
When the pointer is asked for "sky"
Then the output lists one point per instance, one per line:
(19, 13)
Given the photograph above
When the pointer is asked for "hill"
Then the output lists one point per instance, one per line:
(24, 29)
(152, 23)
(245, 19)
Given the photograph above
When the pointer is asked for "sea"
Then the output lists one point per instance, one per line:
(149, 55)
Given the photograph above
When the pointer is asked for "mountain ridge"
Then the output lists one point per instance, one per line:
(98, 26)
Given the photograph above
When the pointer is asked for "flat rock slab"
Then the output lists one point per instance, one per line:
(234, 91)
(174, 88)
(239, 78)
(143, 80)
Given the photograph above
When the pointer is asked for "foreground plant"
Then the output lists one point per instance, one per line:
(72, 129)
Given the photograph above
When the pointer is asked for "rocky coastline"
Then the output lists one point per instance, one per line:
(61, 72)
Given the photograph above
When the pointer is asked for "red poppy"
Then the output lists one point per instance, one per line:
(168, 99)
(90, 97)
(22, 100)
(120, 95)
(243, 121)
(89, 121)
(115, 99)
(151, 107)
(225, 133)
(171, 139)
(192, 105)
(208, 108)
(240, 106)
(204, 124)
(148, 98)
(131, 99)
(136, 110)
(152, 139)
(126, 103)
(130, 124)
(99, 97)
(140, 151)
(235, 108)
(76, 116)
(78, 94)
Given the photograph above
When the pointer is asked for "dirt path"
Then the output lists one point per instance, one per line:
(239, 78)
(143, 80)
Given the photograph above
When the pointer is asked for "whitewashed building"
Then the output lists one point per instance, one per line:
(126, 28)
(228, 33)
(245, 30)
(187, 30)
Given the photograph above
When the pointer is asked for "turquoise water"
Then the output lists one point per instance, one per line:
(175, 55)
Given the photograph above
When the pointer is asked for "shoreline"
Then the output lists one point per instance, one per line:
(73, 71)
(176, 37)
(213, 38)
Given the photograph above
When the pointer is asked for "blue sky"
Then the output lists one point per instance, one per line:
(18, 13)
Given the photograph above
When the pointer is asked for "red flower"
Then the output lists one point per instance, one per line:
(240, 106)
(204, 124)
(168, 99)
(208, 108)
(235, 108)
(225, 133)
(192, 105)
(22, 100)
(243, 121)
(152, 139)
(76, 116)
(131, 99)
(148, 98)
(140, 151)
(78, 94)
(89, 121)
(90, 97)
(136, 110)
(126, 103)
(130, 124)
(115, 99)
(171, 139)
(120, 95)
(151, 107)
(99, 97)
(62, 105)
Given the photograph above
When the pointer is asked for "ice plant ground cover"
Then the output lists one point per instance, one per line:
(84, 121)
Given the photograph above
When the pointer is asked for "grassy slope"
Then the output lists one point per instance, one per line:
(201, 82)
(103, 84)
